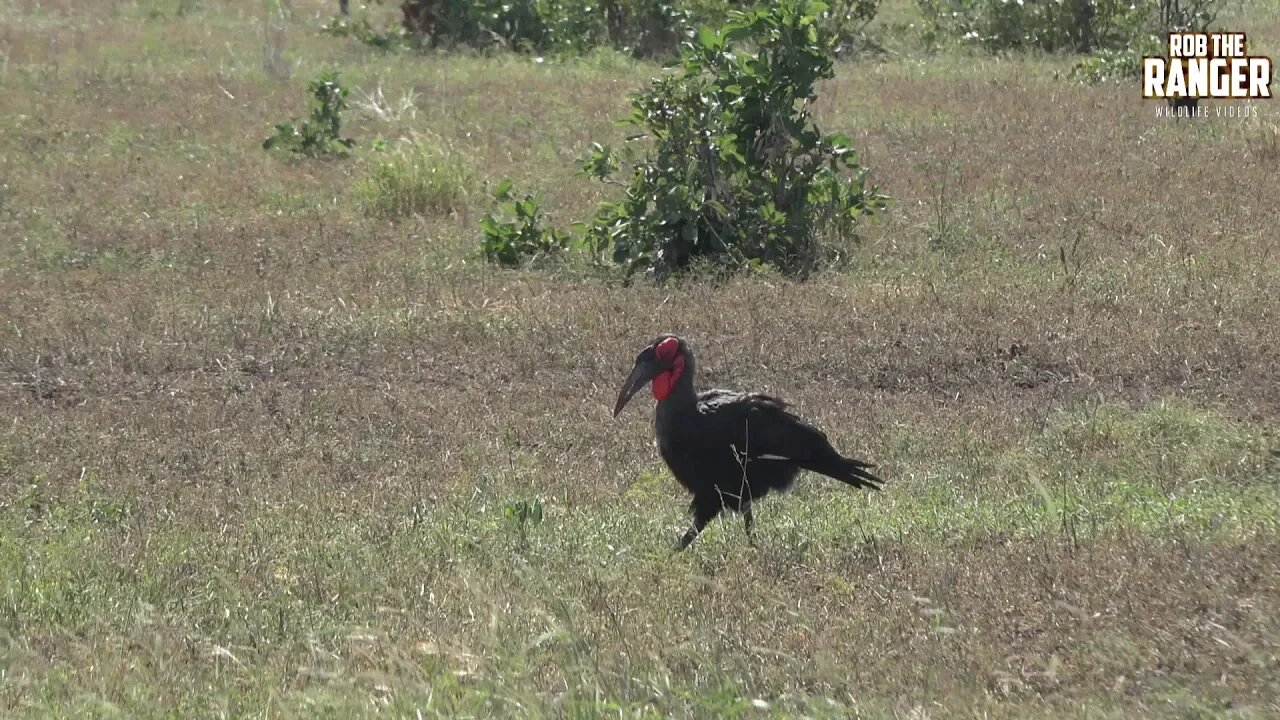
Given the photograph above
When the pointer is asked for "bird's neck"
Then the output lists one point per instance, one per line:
(683, 395)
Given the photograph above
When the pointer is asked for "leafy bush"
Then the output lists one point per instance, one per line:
(1051, 25)
(1148, 22)
(517, 232)
(1120, 32)
(737, 173)
(1194, 15)
(1116, 66)
(564, 26)
(846, 21)
(641, 27)
(420, 176)
(361, 29)
(321, 134)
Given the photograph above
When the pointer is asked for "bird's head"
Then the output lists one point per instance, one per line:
(663, 362)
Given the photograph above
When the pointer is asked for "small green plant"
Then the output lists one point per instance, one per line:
(517, 233)
(737, 175)
(420, 176)
(523, 514)
(321, 134)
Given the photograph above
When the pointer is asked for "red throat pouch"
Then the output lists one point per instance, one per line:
(666, 380)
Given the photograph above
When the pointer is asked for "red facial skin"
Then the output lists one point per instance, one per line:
(666, 351)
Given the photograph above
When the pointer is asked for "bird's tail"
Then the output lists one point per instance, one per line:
(847, 470)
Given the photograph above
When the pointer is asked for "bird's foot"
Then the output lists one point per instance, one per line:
(685, 540)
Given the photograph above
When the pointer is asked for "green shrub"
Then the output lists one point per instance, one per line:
(321, 134)
(1143, 34)
(737, 173)
(361, 29)
(420, 176)
(517, 232)
(846, 21)
(639, 27)
(1116, 66)
(1119, 31)
(643, 28)
(568, 27)
(1051, 25)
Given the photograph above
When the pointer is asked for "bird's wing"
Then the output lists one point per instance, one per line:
(762, 425)
(716, 399)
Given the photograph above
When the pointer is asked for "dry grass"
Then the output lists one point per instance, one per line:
(260, 444)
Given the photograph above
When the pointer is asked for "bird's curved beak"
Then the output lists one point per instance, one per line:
(647, 367)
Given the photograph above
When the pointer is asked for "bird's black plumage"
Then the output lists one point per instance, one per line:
(729, 449)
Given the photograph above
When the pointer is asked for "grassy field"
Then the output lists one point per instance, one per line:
(260, 440)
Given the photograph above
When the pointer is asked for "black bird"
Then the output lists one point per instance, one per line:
(729, 449)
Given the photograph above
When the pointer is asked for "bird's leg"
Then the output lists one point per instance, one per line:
(689, 536)
(747, 520)
(699, 522)
(704, 511)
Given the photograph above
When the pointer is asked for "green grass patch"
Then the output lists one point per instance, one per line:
(418, 176)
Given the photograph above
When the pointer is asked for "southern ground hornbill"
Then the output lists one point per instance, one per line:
(729, 449)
